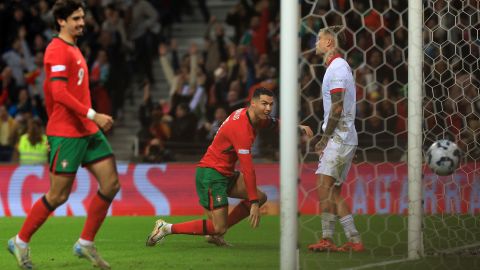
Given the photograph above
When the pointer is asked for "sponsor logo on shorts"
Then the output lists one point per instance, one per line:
(244, 151)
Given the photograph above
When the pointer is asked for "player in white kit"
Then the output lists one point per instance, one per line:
(337, 145)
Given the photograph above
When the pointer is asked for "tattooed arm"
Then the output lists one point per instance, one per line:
(333, 119)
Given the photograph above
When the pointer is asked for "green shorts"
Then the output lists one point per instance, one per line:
(67, 154)
(213, 187)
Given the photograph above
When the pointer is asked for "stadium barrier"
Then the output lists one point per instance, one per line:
(169, 189)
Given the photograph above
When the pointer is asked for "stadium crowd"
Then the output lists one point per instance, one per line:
(119, 40)
(217, 77)
(377, 51)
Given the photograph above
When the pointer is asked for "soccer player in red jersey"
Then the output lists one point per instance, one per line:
(74, 139)
(216, 178)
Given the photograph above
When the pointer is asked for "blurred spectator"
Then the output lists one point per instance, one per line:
(15, 20)
(45, 12)
(8, 86)
(209, 129)
(257, 34)
(160, 132)
(32, 147)
(217, 93)
(154, 123)
(7, 134)
(233, 98)
(183, 83)
(238, 17)
(118, 50)
(24, 104)
(215, 49)
(184, 124)
(18, 58)
(4, 20)
(179, 7)
(99, 77)
(199, 100)
(115, 26)
(143, 28)
(202, 5)
(36, 77)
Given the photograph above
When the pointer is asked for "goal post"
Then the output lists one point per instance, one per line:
(289, 51)
(412, 60)
(415, 116)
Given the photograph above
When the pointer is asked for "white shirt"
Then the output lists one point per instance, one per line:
(339, 76)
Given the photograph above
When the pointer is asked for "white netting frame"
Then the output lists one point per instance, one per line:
(452, 111)
(392, 155)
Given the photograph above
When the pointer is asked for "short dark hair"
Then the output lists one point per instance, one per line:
(64, 8)
(338, 33)
(262, 91)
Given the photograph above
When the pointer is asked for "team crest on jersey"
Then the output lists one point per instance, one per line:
(219, 198)
(64, 163)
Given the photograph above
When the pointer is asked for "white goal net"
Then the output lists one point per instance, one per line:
(377, 185)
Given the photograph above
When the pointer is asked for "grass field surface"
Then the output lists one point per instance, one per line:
(121, 241)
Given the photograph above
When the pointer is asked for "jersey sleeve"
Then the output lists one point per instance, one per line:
(57, 64)
(338, 81)
(242, 146)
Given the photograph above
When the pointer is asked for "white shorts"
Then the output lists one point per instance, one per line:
(336, 160)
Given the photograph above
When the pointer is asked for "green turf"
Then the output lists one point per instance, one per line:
(121, 241)
(385, 238)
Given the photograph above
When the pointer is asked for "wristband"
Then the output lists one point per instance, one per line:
(91, 113)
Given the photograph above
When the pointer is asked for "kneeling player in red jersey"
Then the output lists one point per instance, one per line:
(216, 178)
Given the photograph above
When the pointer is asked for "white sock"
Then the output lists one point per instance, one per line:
(168, 226)
(20, 242)
(350, 229)
(85, 243)
(328, 225)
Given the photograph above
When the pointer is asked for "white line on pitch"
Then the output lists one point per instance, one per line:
(377, 264)
(453, 250)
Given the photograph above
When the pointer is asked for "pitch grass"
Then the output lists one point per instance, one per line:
(121, 241)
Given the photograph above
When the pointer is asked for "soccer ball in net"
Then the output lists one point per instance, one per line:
(443, 157)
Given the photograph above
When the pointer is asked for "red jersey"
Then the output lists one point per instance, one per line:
(67, 96)
(234, 141)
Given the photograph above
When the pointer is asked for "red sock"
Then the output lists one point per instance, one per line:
(37, 216)
(97, 210)
(195, 227)
(241, 211)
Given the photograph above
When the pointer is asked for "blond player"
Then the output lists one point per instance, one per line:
(338, 142)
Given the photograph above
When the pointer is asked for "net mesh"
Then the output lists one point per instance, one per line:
(452, 107)
(377, 186)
